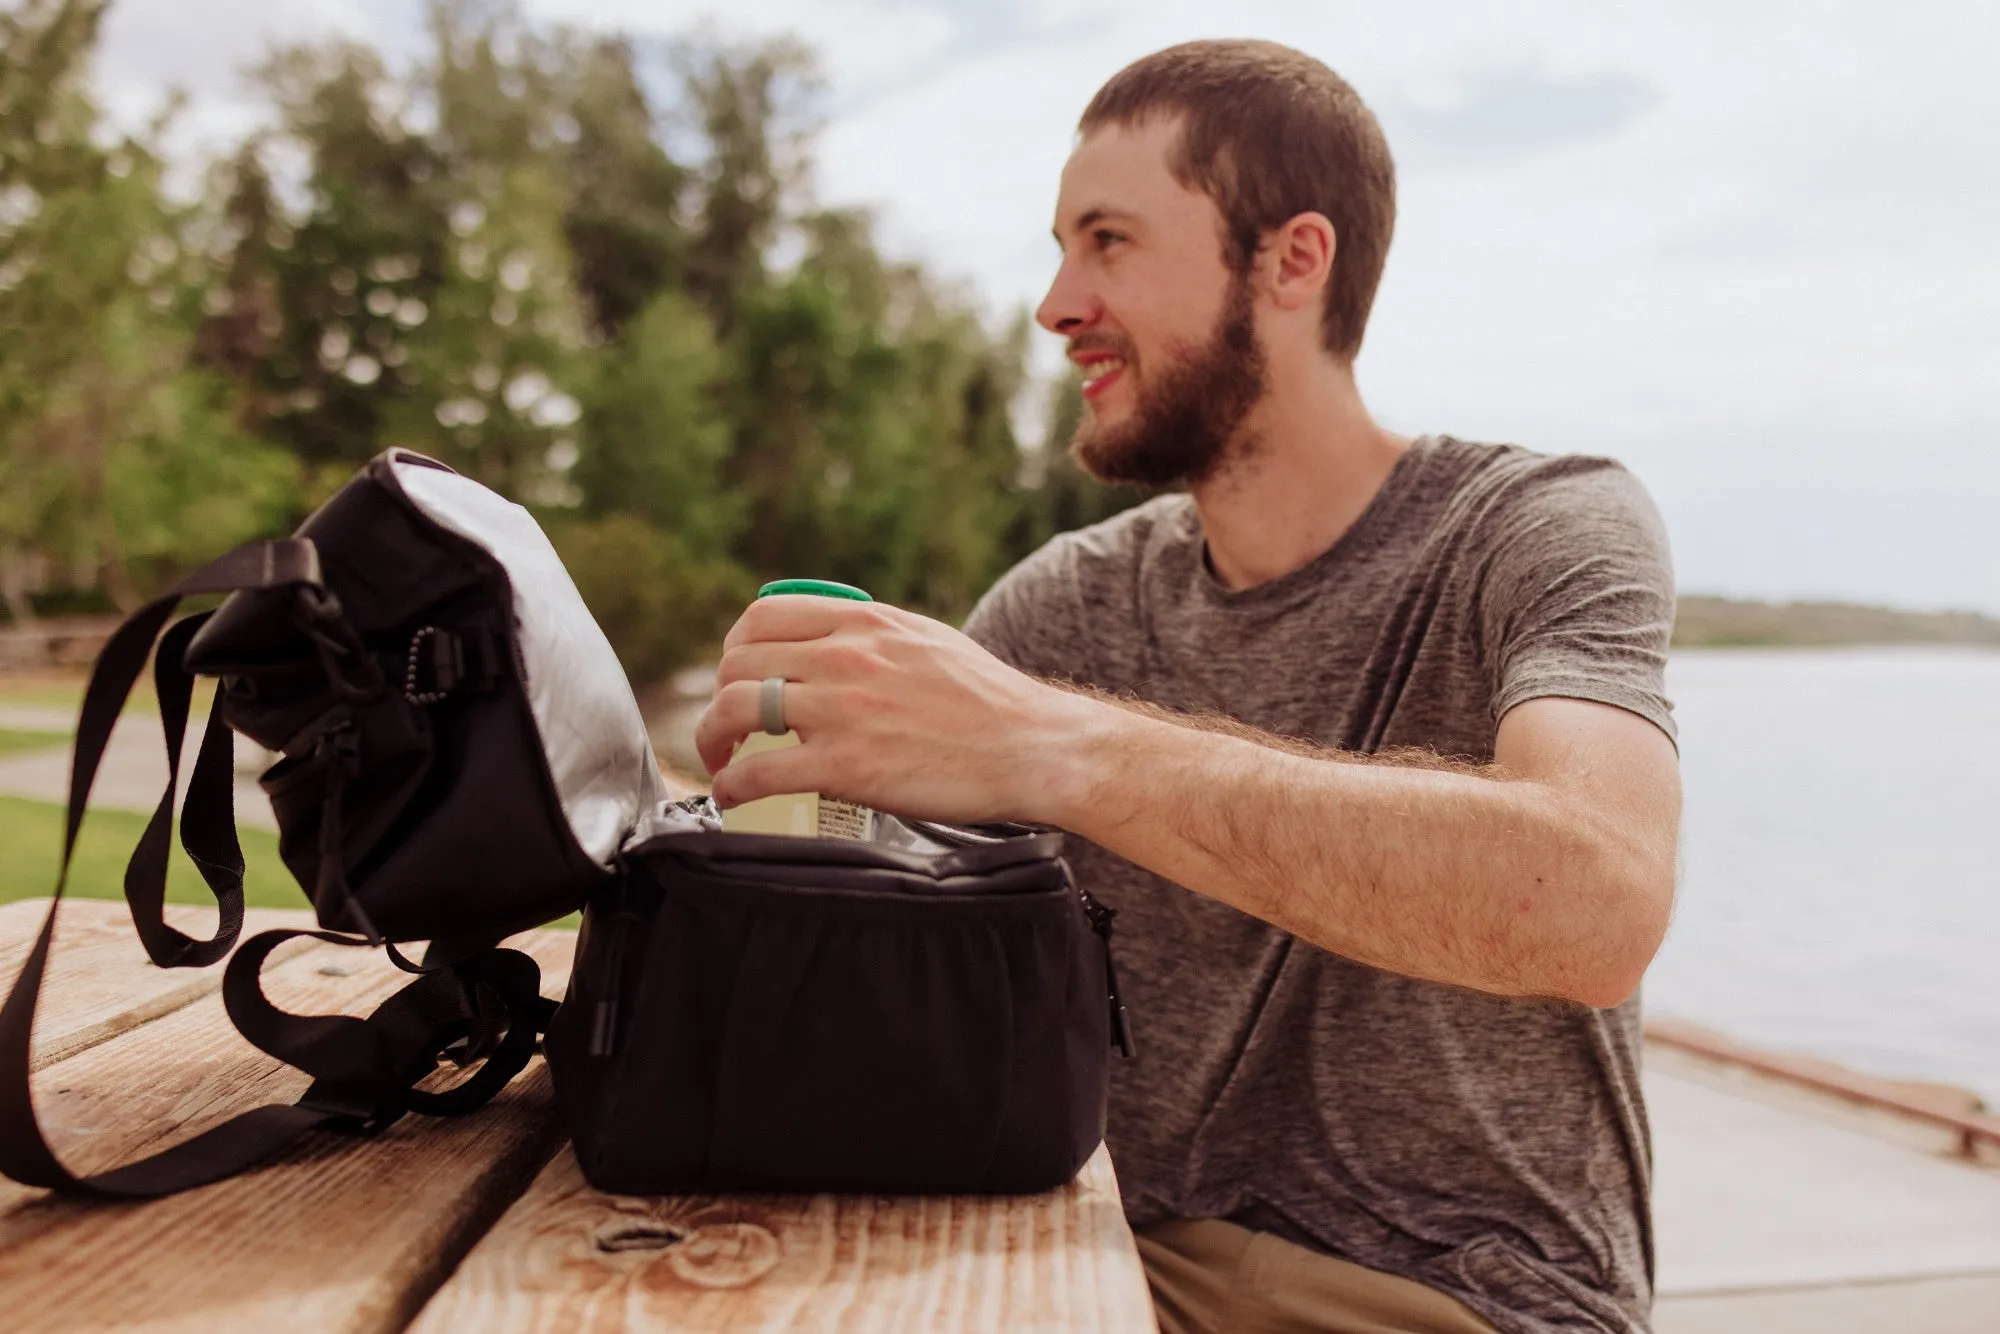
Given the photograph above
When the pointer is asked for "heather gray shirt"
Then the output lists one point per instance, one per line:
(1493, 1148)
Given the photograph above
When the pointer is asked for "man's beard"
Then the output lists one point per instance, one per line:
(1189, 413)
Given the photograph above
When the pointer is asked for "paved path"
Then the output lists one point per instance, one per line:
(134, 768)
(37, 718)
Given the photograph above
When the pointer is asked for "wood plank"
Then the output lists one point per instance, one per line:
(100, 982)
(568, 1257)
(343, 1234)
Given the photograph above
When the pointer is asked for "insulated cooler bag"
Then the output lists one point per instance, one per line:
(751, 1011)
(463, 759)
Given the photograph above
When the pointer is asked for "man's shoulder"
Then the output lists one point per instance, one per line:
(1521, 470)
(1505, 490)
(1083, 561)
(1078, 583)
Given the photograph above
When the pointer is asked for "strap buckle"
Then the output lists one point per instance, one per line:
(350, 667)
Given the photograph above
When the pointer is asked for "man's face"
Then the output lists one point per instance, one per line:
(1159, 326)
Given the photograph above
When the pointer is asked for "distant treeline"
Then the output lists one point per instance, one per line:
(1712, 622)
(587, 271)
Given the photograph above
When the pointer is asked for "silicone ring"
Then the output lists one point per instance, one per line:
(771, 705)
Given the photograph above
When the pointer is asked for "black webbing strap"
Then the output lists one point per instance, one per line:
(208, 820)
(24, 1154)
(488, 1005)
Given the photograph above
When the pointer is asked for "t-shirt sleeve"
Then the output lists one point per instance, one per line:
(1578, 598)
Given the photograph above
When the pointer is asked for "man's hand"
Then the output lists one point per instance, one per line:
(893, 710)
(1549, 872)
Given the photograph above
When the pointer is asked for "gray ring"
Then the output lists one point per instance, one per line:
(771, 705)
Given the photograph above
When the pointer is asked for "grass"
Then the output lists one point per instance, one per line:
(31, 847)
(14, 743)
(64, 690)
(31, 842)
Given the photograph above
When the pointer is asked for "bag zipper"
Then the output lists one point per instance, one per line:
(1101, 917)
(604, 1018)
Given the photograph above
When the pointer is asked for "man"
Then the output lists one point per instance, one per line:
(1363, 736)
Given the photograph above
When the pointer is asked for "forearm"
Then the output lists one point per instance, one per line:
(1450, 873)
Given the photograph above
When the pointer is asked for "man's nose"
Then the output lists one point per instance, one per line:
(1069, 306)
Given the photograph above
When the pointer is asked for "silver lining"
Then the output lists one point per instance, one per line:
(592, 733)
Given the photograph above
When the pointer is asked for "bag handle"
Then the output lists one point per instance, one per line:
(208, 820)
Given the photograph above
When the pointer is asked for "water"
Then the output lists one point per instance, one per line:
(1840, 892)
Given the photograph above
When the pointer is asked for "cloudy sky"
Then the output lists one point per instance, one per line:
(1748, 248)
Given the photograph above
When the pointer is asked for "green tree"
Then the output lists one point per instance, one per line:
(587, 272)
(755, 111)
(625, 193)
(122, 463)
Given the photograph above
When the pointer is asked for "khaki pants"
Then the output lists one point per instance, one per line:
(1212, 1277)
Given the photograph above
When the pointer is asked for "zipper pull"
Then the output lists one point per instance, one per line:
(1121, 1023)
(604, 1018)
(1100, 921)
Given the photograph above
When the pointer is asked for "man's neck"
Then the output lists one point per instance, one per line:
(1314, 462)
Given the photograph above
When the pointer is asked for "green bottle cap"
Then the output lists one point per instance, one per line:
(825, 588)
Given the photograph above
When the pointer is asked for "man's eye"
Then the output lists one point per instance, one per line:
(1104, 237)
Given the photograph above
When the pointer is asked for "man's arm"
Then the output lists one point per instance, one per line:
(1548, 873)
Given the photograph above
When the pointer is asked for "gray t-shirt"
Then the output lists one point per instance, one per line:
(1493, 1148)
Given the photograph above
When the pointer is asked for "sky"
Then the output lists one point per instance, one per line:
(1746, 248)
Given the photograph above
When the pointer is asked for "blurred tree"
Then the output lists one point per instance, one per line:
(662, 601)
(122, 463)
(298, 320)
(623, 218)
(754, 109)
(586, 272)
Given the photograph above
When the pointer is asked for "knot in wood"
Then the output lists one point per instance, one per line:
(637, 1235)
(724, 1255)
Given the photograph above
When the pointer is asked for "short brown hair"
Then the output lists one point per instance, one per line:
(1269, 133)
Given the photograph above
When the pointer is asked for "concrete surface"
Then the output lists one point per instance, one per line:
(134, 768)
(1776, 1210)
(1964, 1305)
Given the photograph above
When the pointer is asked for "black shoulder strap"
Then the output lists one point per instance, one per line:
(208, 820)
(363, 1070)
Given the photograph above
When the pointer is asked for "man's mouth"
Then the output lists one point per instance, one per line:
(1098, 374)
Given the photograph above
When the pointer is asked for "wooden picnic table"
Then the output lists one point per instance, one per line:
(481, 1222)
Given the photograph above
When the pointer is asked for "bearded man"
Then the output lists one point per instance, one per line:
(1364, 736)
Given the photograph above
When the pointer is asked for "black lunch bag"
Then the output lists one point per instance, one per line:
(463, 759)
(749, 1011)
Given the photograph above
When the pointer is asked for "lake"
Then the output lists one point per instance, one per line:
(1840, 890)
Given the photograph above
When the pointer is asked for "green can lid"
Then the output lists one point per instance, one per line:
(825, 588)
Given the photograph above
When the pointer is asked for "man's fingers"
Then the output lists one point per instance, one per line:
(732, 715)
(797, 616)
(757, 659)
(738, 710)
(766, 774)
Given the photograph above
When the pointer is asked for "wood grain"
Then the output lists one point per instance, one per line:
(570, 1258)
(342, 1234)
(100, 982)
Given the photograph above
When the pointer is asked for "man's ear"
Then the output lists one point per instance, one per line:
(1298, 256)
